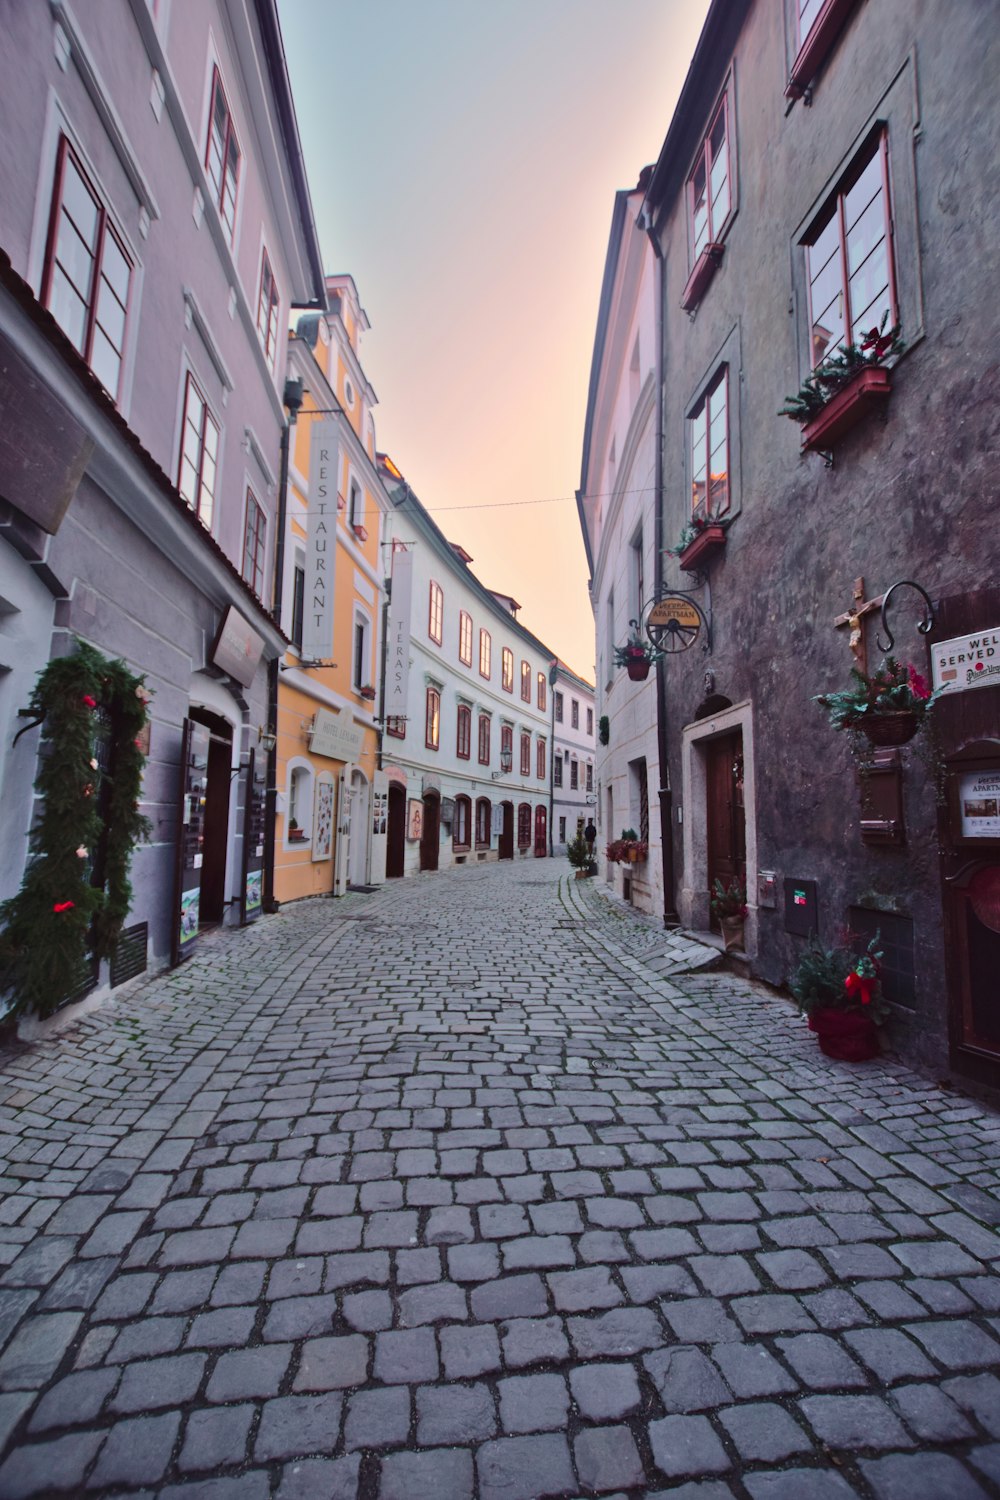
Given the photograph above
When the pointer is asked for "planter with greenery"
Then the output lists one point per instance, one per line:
(844, 387)
(629, 849)
(728, 902)
(701, 536)
(842, 996)
(888, 707)
(636, 656)
(578, 854)
(604, 729)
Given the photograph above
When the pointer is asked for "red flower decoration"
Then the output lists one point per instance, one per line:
(64, 906)
(89, 701)
(918, 684)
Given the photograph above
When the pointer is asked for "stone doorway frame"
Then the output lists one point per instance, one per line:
(694, 895)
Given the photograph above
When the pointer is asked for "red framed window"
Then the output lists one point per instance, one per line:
(254, 537)
(463, 746)
(465, 638)
(395, 725)
(540, 760)
(435, 613)
(268, 308)
(526, 681)
(709, 186)
(541, 691)
(485, 653)
(849, 258)
(507, 670)
(808, 15)
(222, 154)
(506, 745)
(483, 812)
(484, 739)
(523, 825)
(87, 276)
(525, 754)
(432, 730)
(708, 438)
(462, 822)
(199, 453)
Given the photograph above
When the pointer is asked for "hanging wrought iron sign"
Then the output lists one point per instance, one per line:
(674, 623)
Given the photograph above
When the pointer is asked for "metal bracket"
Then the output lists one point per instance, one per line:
(925, 626)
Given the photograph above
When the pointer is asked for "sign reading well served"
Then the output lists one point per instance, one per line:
(321, 543)
(968, 661)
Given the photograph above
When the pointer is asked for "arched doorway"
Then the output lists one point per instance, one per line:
(215, 815)
(357, 869)
(431, 832)
(506, 844)
(395, 849)
(541, 838)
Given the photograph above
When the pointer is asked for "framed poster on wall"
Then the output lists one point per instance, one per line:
(414, 819)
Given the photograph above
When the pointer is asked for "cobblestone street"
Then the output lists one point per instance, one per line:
(475, 1187)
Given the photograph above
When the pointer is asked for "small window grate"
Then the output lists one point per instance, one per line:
(129, 957)
(895, 939)
(88, 975)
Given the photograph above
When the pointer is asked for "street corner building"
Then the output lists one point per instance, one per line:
(155, 231)
(815, 241)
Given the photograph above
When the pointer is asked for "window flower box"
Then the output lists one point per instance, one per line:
(368, 693)
(816, 44)
(869, 389)
(710, 539)
(360, 533)
(704, 269)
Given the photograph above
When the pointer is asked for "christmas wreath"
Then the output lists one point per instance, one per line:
(76, 893)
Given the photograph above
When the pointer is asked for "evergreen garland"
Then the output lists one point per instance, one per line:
(59, 915)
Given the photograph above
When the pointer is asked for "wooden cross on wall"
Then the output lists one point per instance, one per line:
(855, 619)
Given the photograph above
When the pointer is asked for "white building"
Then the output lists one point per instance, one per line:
(466, 743)
(617, 507)
(574, 785)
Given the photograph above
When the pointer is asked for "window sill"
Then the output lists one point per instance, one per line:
(696, 553)
(817, 45)
(461, 848)
(704, 269)
(360, 533)
(868, 390)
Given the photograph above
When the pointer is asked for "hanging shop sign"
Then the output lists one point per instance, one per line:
(237, 648)
(674, 623)
(321, 542)
(38, 474)
(979, 798)
(397, 666)
(335, 735)
(968, 661)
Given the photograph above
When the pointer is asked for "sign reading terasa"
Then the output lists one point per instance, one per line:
(321, 543)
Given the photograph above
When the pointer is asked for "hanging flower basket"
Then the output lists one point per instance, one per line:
(636, 656)
(888, 707)
(890, 729)
(637, 668)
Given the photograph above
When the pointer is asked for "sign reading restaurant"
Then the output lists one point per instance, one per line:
(321, 543)
(968, 661)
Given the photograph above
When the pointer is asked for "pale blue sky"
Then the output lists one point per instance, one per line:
(463, 160)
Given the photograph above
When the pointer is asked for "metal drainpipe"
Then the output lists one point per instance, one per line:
(553, 679)
(670, 917)
(293, 400)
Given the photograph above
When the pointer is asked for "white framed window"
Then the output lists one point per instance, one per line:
(299, 808)
(199, 456)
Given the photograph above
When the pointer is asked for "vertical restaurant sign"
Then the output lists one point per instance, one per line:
(397, 671)
(321, 542)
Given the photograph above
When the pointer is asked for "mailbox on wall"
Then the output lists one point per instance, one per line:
(801, 907)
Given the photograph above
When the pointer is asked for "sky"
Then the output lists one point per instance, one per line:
(463, 157)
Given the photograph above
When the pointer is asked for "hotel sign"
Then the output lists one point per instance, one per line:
(321, 542)
(968, 661)
(336, 736)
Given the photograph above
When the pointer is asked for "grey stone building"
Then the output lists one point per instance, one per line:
(828, 164)
(155, 228)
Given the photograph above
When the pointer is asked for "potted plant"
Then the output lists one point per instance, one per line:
(634, 849)
(296, 835)
(615, 852)
(728, 904)
(888, 707)
(843, 386)
(842, 996)
(604, 729)
(578, 854)
(699, 538)
(367, 692)
(636, 656)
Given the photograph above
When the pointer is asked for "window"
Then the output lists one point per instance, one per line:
(432, 731)
(483, 823)
(574, 713)
(460, 827)
(268, 308)
(808, 14)
(526, 681)
(639, 797)
(253, 546)
(484, 739)
(525, 754)
(574, 775)
(558, 706)
(435, 618)
(465, 638)
(222, 155)
(507, 670)
(708, 428)
(540, 760)
(590, 721)
(298, 604)
(199, 454)
(709, 197)
(541, 691)
(87, 274)
(463, 746)
(361, 668)
(298, 819)
(523, 825)
(485, 653)
(590, 777)
(849, 257)
(636, 582)
(557, 777)
(355, 506)
(562, 830)
(395, 725)
(506, 746)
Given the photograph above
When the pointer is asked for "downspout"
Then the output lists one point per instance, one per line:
(292, 398)
(553, 679)
(670, 917)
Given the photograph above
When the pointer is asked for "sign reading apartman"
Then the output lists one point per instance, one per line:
(674, 623)
(336, 735)
(321, 542)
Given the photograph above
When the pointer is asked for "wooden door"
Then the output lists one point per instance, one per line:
(725, 819)
(541, 842)
(431, 832)
(395, 849)
(506, 847)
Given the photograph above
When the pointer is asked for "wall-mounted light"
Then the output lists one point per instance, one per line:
(266, 739)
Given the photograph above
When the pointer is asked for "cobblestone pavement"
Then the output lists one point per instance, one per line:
(449, 1191)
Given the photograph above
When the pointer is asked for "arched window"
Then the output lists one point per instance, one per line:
(524, 825)
(435, 613)
(484, 739)
(541, 691)
(485, 653)
(299, 810)
(507, 670)
(465, 637)
(506, 747)
(526, 681)
(483, 823)
(541, 760)
(460, 827)
(463, 748)
(525, 754)
(432, 732)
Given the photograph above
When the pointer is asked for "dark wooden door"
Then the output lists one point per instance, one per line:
(541, 841)
(724, 814)
(395, 848)
(506, 846)
(429, 837)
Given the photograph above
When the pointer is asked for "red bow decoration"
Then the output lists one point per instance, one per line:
(89, 701)
(64, 905)
(861, 985)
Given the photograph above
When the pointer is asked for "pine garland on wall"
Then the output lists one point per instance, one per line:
(76, 892)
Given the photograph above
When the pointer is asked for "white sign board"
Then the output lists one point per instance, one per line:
(969, 661)
(397, 667)
(979, 796)
(336, 735)
(321, 543)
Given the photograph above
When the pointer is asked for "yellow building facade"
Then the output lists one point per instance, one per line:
(330, 801)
